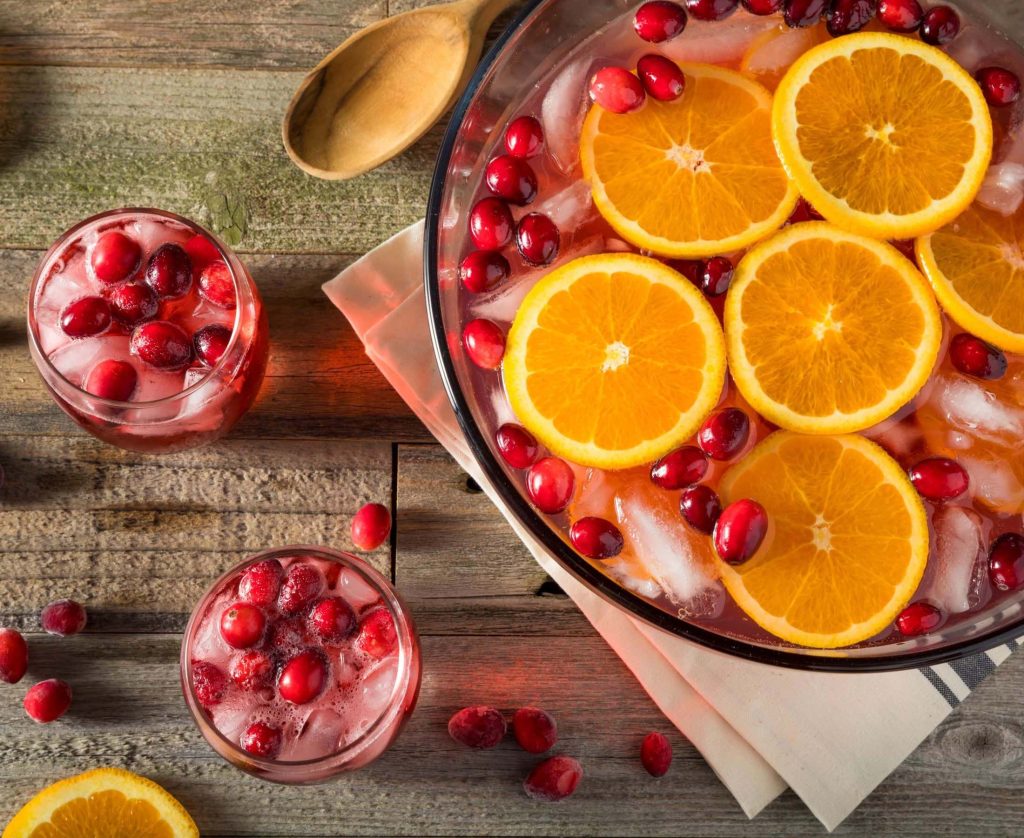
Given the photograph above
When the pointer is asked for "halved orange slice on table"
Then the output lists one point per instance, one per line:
(885, 135)
(693, 177)
(848, 539)
(613, 360)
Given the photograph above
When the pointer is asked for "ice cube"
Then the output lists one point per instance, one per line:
(719, 42)
(76, 358)
(562, 111)
(626, 573)
(371, 696)
(899, 438)
(320, 735)
(568, 208)
(968, 406)
(356, 591)
(993, 480)
(1002, 190)
(231, 716)
(954, 562)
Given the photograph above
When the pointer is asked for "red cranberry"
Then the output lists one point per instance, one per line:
(595, 538)
(617, 90)
(114, 380)
(332, 619)
(133, 302)
(847, 16)
(659, 20)
(1006, 561)
(162, 344)
(554, 779)
(210, 342)
(711, 9)
(201, 251)
(302, 678)
(483, 270)
(972, 356)
(252, 670)
(114, 257)
(477, 727)
(537, 239)
(939, 26)
(724, 433)
(700, 508)
(302, 584)
(798, 13)
(261, 583)
(656, 754)
(900, 15)
(242, 625)
(490, 224)
(285, 636)
(534, 729)
(484, 342)
(371, 526)
(804, 212)
(661, 77)
(63, 617)
(739, 531)
(377, 635)
(85, 317)
(13, 656)
(261, 740)
(511, 178)
(680, 468)
(549, 484)
(762, 7)
(169, 271)
(208, 682)
(918, 618)
(517, 445)
(216, 285)
(716, 276)
(48, 700)
(1000, 86)
(524, 137)
(939, 478)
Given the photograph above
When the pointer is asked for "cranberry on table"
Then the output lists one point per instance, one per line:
(302, 584)
(210, 343)
(1000, 86)
(554, 779)
(517, 446)
(261, 583)
(477, 727)
(661, 77)
(332, 619)
(490, 224)
(115, 257)
(483, 270)
(711, 9)
(161, 344)
(716, 276)
(680, 468)
(201, 251)
(111, 379)
(371, 526)
(800, 13)
(534, 729)
(524, 137)
(900, 15)
(252, 670)
(303, 677)
(973, 356)
(537, 239)
(918, 618)
(595, 538)
(739, 531)
(1006, 562)
(261, 740)
(659, 20)
(939, 478)
(656, 754)
(762, 7)
(847, 16)
(724, 433)
(511, 178)
(377, 636)
(13, 656)
(133, 302)
(85, 317)
(217, 286)
(47, 701)
(242, 625)
(700, 508)
(208, 682)
(169, 271)
(617, 90)
(63, 617)
(484, 343)
(549, 484)
(939, 26)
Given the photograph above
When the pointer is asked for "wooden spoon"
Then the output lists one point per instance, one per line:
(383, 88)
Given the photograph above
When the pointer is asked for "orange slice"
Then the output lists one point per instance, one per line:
(614, 359)
(771, 53)
(829, 332)
(885, 135)
(848, 539)
(976, 266)
(693, 177)
(105, 802)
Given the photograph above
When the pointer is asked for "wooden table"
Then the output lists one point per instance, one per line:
(177, 104)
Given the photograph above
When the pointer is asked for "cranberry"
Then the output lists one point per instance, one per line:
(286, 636)
(918, 618)
(115, 257)
(1006, 561)
(554, 779)
(201, 251)
(302, 584)
(900, 15)
(939, 26)
(939, 478)
(511, 178)
(524, 137)
(972, 356)
(659, 20)
(595, 538)
(377, 635)
(711, 9)
(847, 16)
(700, 508)
(252, 670)
(332, 619)
(549, 484)
(208, 682)
(762, 7)
(242, 625)
(804, 212)
(617, 90)
(680, 468)
(303, 677)
(133, 302)
(537, 239)
(169, 271)
(1000, 86)
(535, 730)
(261, 740)
(63, 617)
(739, 530)
(516, 445)
(798, 13)
(661, 77)
(85, 317)
(656, 754)
(48, 700)
(210, 342)
(162, 344)
(490, 224)
(724, 433)
(114, 380)
(13, 656)
(261, 583)
(484, 342)
(371, 526)
(477, 727)
(716, 277)
(216, 285)
(483, 270)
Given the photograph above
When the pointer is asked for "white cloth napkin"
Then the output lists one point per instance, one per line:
(830, 737)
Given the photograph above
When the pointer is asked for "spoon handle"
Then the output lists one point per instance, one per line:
(481, 13)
